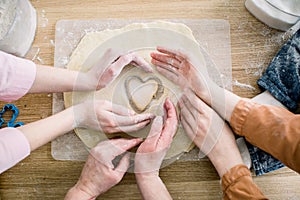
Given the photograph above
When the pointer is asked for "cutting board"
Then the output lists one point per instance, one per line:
(212, 35)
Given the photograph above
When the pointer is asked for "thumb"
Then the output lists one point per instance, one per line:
(109, 56)
(155, 131)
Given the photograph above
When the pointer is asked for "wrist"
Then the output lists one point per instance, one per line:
(224, 157)
(152, 187)
(146, 180)
(219, 162)
(208, 92)
(147, 176)
(86, 82)
(76, 193)
(79, 115)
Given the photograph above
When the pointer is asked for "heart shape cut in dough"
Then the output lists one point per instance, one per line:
(142, 92)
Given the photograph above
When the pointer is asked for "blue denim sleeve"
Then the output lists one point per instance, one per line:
(282, 78)
(262, 162)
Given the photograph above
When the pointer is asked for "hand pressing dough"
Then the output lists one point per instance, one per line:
(134, 88)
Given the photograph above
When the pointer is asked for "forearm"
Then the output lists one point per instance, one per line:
(43, 131)
(152, 187)
(220, 99)
(50, 79)
(225, 153)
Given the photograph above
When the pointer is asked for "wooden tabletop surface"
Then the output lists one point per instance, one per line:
(252, 46)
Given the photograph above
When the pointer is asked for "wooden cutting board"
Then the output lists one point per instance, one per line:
(212, 35)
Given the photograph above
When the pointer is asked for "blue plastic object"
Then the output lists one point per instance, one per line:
(10, 123)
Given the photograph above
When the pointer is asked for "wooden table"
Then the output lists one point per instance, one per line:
(253, 45)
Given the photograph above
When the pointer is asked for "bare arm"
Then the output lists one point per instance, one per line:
(106, 117)
(43, 131)
(50, 79)
(152, 187)
(109, 66)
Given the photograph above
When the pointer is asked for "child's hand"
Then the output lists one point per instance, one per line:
(108, 117)
(108, 68)
(99, 174)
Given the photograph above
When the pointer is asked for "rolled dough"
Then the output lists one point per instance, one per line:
(141, 93)
(141, 38)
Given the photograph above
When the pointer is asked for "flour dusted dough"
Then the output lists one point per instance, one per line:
(141, 93)
(93, 45)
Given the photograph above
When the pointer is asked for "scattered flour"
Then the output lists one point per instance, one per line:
(243, 85)
(52, 42)
(64, 60)
(43, 20)
(34, 54)
(40, 60)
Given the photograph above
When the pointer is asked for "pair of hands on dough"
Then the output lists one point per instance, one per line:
(99, 174)
(201, 123)
(106, 116)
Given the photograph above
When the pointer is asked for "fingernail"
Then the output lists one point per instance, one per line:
(152, 54)
(150, 68)
(133, 141)
(151, 116)
(132, 112)
(180, 103)
(167, 103)
(138, 140)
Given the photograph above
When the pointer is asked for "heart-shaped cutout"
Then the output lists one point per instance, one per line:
(141, 92)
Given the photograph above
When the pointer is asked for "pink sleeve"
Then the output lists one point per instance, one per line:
(14, 147)
(16, 78)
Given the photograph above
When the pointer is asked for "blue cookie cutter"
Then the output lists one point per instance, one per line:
(10, 123)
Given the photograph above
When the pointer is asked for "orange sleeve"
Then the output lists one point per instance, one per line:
(273, 129)
(237, 183)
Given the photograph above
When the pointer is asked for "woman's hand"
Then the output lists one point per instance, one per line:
(108, 68)
(201, 123)
(108, 117)
(178, 67)
(99, 174)
(209, 132)
(152, 151)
